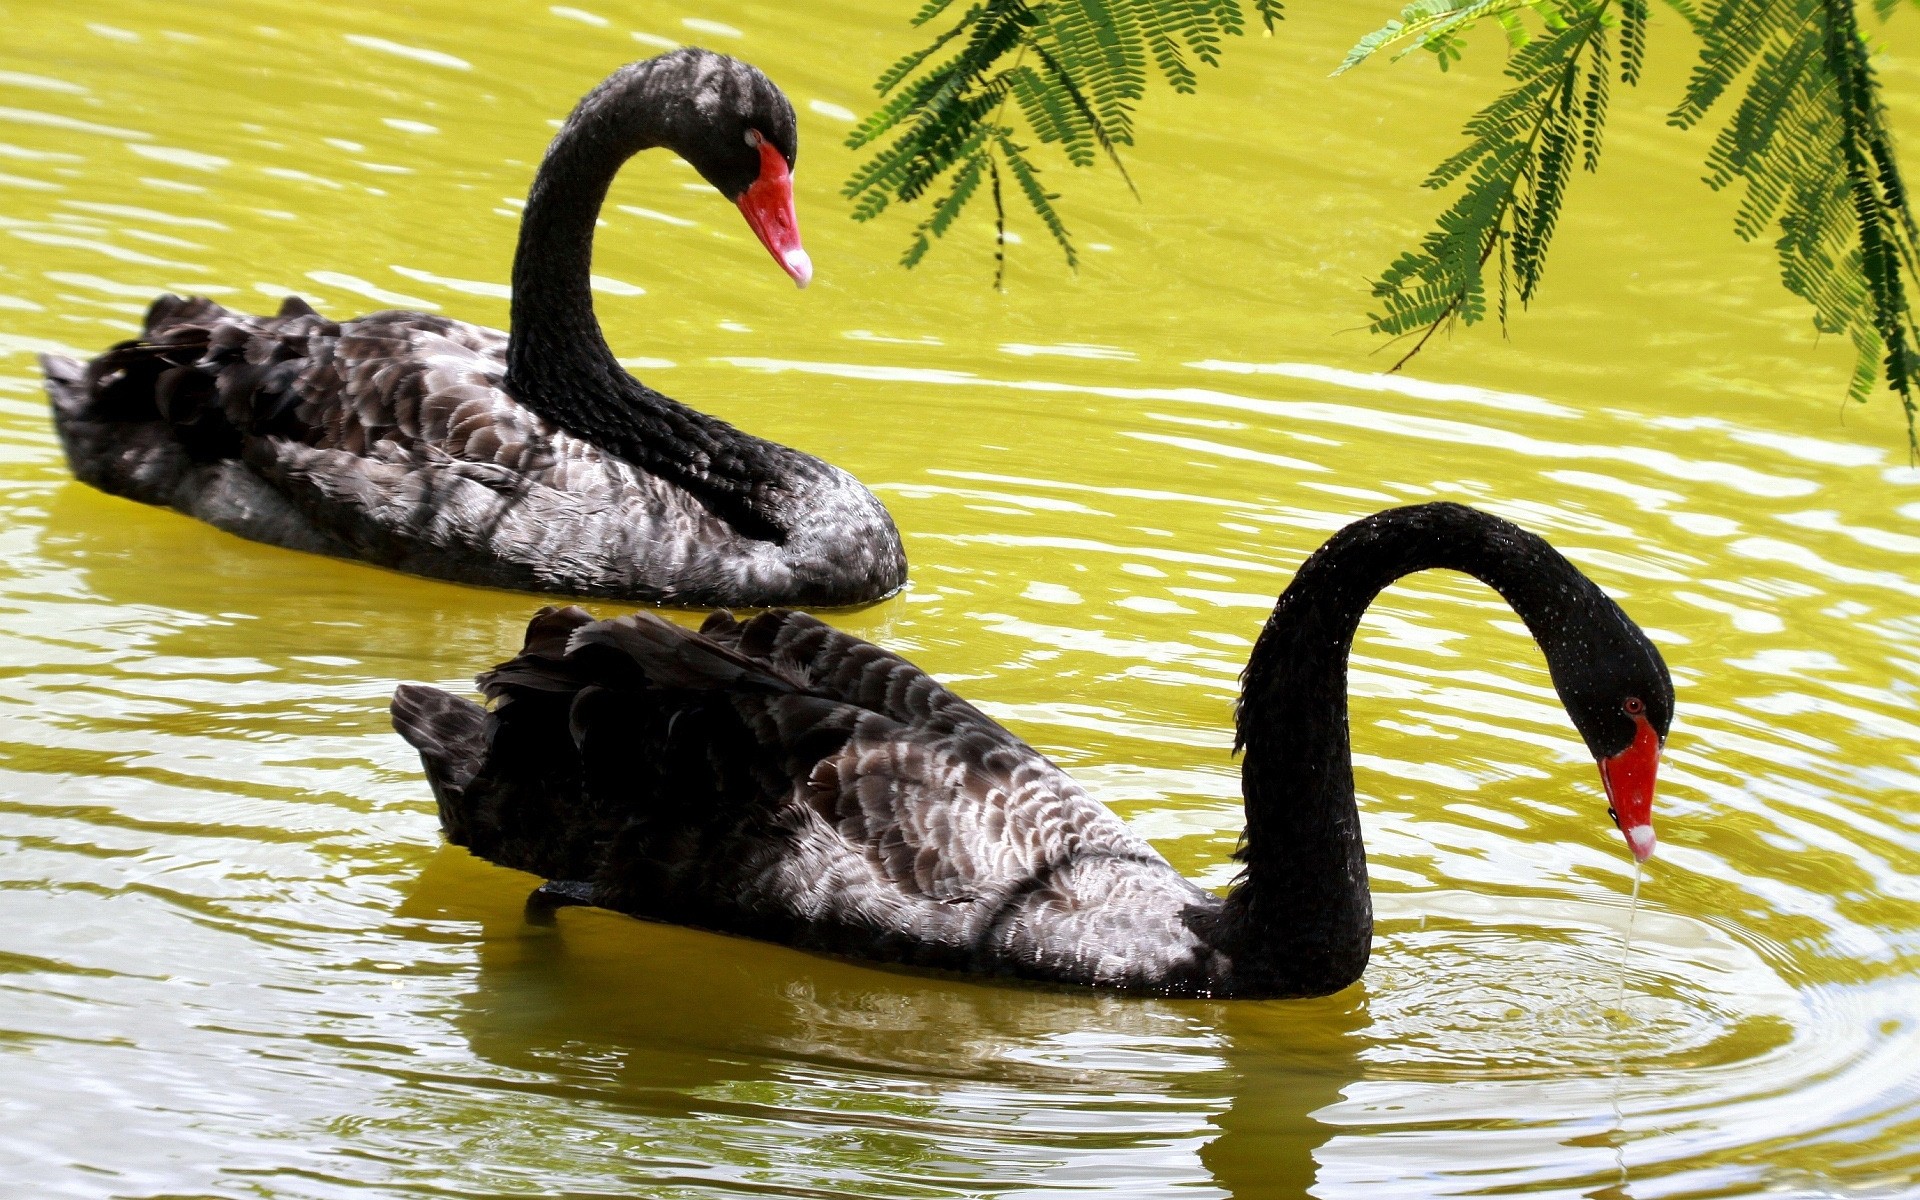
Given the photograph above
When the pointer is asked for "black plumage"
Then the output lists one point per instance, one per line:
(528, 460)
(780, 779)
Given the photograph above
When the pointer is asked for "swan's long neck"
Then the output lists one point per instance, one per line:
(558, 361)
(1300, 920)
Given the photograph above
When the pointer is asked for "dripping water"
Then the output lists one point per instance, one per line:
(1618, 1015)
(1626, 945)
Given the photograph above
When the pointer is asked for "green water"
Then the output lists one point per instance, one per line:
(235, 960)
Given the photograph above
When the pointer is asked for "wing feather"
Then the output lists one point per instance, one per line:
(756, 733)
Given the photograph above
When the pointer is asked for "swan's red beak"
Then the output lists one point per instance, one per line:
(767, 204)
(1628, 777)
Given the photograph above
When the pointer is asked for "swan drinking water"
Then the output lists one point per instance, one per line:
(529, 460)
(779, 779)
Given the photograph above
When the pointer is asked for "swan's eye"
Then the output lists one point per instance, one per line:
(753, 138)
(1633, 706)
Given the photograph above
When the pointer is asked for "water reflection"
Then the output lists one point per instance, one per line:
(820, 1069)
(1475, 1041)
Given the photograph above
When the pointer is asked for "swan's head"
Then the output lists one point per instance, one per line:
(737, 129)
(1617, 690)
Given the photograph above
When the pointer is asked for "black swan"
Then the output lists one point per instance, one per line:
(531, 460)
(782, 780)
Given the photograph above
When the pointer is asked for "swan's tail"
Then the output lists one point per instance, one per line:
(136, 420)
(66, 384)
(146, 378)
(610, 743)
(451, 736)
(111, 450)
(510, 782)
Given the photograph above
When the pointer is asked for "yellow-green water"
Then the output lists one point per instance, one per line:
(237, 962)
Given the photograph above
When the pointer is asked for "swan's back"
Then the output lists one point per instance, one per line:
(780, 779)
(392, 439)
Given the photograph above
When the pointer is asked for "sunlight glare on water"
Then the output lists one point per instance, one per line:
(238, 962)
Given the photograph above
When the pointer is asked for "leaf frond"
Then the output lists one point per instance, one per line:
(1513, 172)
(1438, 26)
(1808, 141)
(1002, 75)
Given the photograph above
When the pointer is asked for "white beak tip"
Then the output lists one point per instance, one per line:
(1641, 841)
(799, 266)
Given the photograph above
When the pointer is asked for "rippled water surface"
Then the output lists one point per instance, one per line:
(236, 960)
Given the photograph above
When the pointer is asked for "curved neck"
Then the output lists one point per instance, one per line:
(558, 361)
(1300, 919)
(556, 352)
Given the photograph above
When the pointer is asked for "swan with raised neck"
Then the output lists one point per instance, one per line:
(737, 129)
(530, 460)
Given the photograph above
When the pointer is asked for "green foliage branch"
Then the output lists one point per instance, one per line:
(1808, 140)
(964, 110)
(1520, 155)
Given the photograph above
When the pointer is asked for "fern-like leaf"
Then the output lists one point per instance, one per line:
(1436, 25)
(965, 182)
(1809, 141)
(1066, 73)
(1521, 152)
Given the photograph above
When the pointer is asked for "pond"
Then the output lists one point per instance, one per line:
(237, 960)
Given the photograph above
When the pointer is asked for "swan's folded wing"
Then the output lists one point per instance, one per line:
(393, 436)
(827, 662)
(939, 801)
(378, 386)
(615, 751)
(779, 766)
(972, 816)
(941, 797)
(417, 380)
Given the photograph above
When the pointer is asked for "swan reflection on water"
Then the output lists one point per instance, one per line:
(1478, 1053)
(787, 1066)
